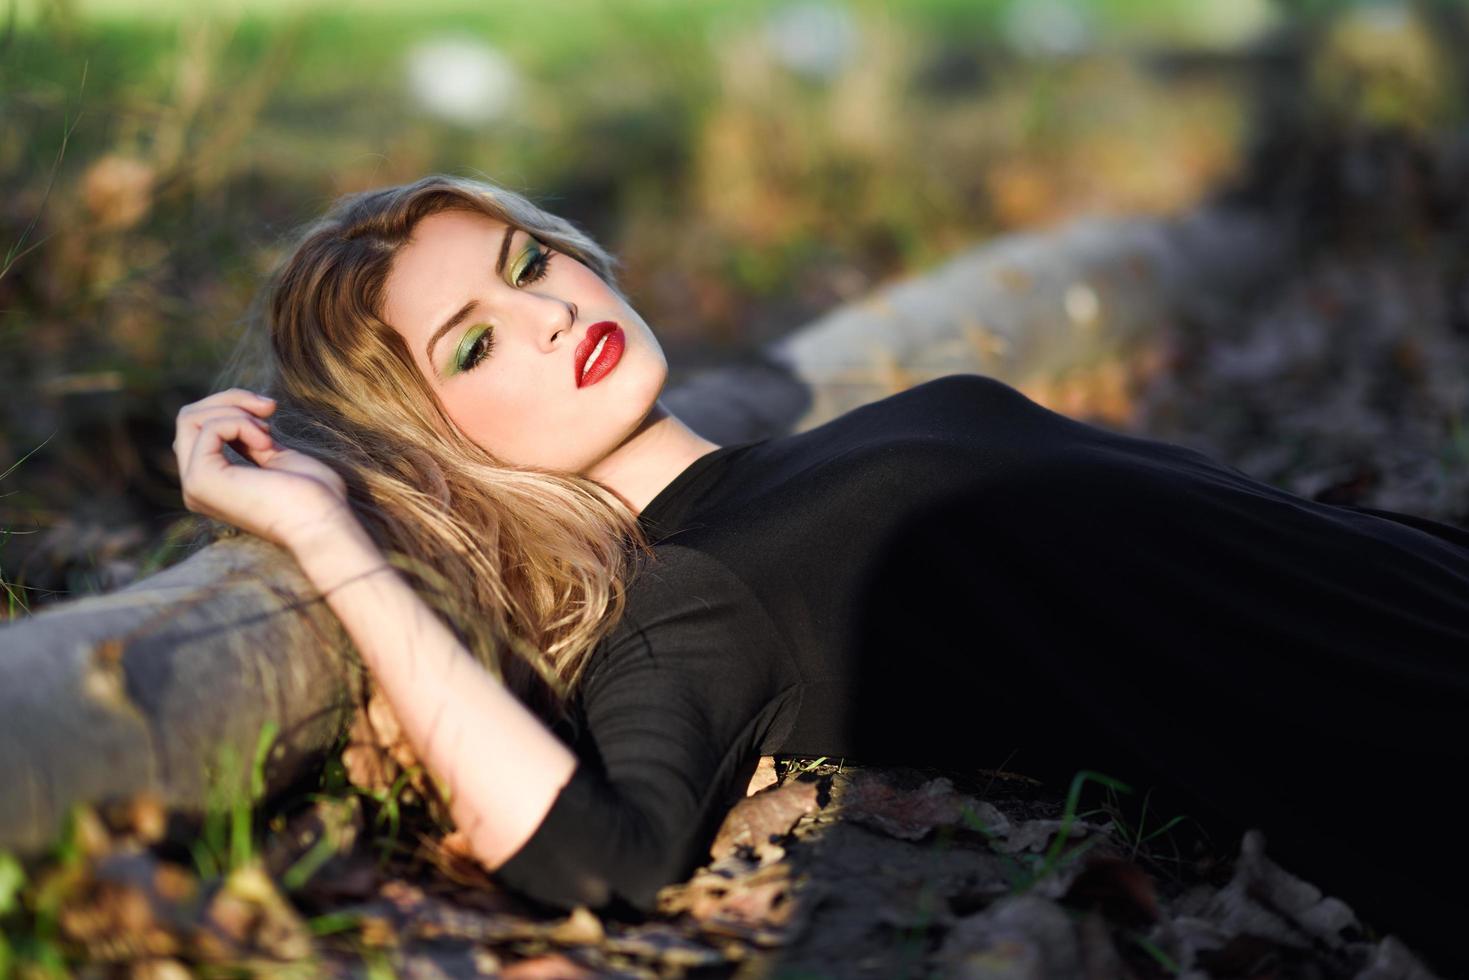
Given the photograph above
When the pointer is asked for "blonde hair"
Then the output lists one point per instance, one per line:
(529, 567)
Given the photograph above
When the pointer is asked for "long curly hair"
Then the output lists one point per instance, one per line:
(528, 567)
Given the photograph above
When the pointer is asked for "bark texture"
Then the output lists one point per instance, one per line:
(145, 689)
(152, 687)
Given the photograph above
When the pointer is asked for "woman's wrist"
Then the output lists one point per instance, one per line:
(336, 551)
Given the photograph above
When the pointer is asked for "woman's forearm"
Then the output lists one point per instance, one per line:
(503, 767)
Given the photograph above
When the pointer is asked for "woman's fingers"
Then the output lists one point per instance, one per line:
(239, 397)
(271, 499)
(210, 482)
(192, 414)
(206, 461)
(190, 424)
(215, 432)
(285, 494)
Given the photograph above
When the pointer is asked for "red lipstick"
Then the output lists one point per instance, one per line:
(606, 359)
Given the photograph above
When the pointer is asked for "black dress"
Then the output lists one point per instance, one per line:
(956, 575)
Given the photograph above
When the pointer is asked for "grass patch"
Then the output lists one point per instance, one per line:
(30, 931)
(227, 840)
(13, 603)
(1025, 871)
(1135, 836)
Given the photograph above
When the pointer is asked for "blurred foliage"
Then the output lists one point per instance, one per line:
(752, 164)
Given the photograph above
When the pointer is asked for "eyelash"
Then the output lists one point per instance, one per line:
(477, 352)
(541, 263)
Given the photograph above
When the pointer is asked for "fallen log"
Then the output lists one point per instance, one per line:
(145, 689)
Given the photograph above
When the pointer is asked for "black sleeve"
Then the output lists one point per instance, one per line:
(685, 692)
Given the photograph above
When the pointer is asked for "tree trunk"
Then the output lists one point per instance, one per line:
(145, 689)
(151, 686)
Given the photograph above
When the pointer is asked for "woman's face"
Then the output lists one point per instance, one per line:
(507, 368)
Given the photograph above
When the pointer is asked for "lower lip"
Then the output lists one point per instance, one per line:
(606, 361)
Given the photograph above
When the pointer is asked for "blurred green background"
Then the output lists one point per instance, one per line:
(753, 164)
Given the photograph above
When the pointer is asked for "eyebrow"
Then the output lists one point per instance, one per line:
(468, 308)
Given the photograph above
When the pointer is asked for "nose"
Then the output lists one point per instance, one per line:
(551, 317)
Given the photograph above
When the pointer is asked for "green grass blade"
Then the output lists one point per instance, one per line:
(329, 923)
(12, 879)
(1068, 815)
(1151, 948)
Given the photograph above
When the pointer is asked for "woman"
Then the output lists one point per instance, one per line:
(590, 620)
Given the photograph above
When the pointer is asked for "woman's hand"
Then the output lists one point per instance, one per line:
(286, 497)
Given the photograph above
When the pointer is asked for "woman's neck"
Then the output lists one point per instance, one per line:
(659, 449)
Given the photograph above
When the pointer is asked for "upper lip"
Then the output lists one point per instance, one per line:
(589, 340)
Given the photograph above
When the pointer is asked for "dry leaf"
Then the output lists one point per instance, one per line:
(141, 817)
(1036, 835)
(552, 966)
(911, 814)
(770, 813)
(737, 899)
(1391, 960)
(248, 916)
(764, 776)
(580, 928)
(1266, 900)
(131, 906)
(367, 765)
(454, 858)
(661, 943)
(378, 754)
(159, 969)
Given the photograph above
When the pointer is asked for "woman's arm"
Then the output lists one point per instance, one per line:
(502, 767)
(693, 684)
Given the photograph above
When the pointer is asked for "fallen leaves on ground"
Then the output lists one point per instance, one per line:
(850, 872)
(875, 802)
(769, 813)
